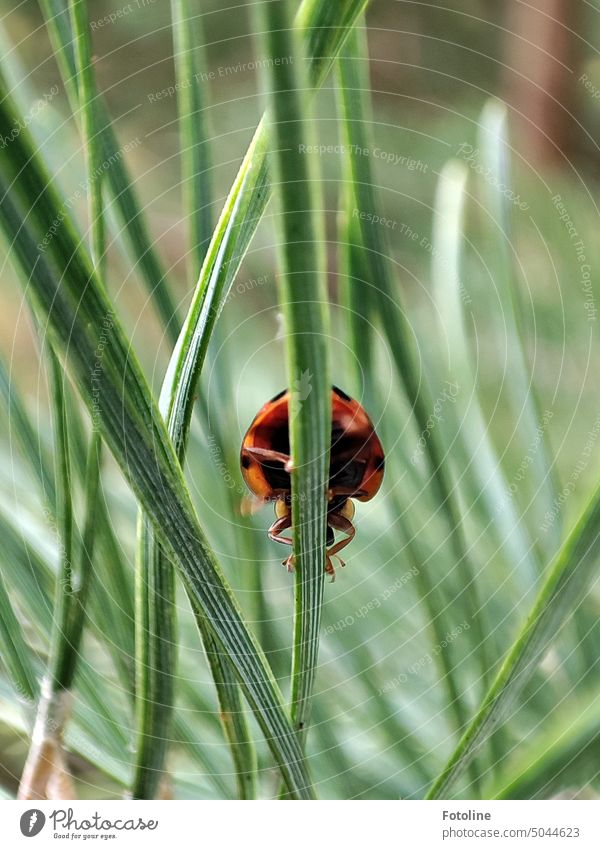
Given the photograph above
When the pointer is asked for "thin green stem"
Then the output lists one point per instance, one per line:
(60, 657)
(393, 318)
(570, 574)
(188, 39)
(74, 306)
(154, 581)
(304, 301)
(56, 14)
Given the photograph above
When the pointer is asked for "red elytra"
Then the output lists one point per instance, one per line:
(356, 467)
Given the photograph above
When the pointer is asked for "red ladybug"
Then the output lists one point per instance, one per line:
(355, 469)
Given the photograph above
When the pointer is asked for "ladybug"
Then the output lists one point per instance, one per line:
(356, 467)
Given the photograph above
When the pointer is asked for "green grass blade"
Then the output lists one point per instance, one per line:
(326, 27)
(31, 580)
(303, 297)
(88, 543)
(178, 392)
(569, 576)
(237, 224)
(90, 136)
(156, 636)
(194, 134)
(90, 132)
(131, 424)
(62, 660)
(56, 14)
(563, 755)
(228, 246)
(480, 462)
(356, 279)
(24, 432)
(232, 714)
(16, 655)
(156, 630)
(45, 759)
(494, 154)
(112, 574)
(385, 296)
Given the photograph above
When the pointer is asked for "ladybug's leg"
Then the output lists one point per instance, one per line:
(266, 454)
(329, 570)
(346, 490)
(340, 523)
(278, 526)
(274, 533)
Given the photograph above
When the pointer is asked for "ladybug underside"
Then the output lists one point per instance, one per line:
(355, 469)
(346, 469)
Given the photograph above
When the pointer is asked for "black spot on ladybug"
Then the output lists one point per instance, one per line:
(278, 396)
(342, 394)
(245, 461)
(380, 465)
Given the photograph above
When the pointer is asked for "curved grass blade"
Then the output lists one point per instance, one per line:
(237, 224)
(16, 655)
(75, 307)
(494, 152)
(193, 130)
(212, 293)
(45, 760)
(112, 581)
(568, 577)
(155, 586)
(225, 254)
(56, 15)
(245, 205)
(326, 27)
(20, 425)
(449, 297)
(356, 282)
(231, 712)
(383, 294)
(90, 131)
(303, 297)
(564, 755)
